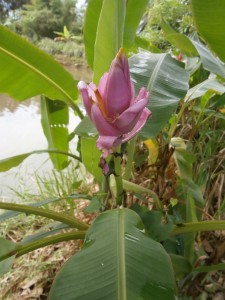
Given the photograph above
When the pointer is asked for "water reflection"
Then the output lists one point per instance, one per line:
(20, 126)
(21, 132)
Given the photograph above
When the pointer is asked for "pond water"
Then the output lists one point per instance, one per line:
(21, 132)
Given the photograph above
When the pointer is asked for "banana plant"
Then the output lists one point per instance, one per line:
(124, 255)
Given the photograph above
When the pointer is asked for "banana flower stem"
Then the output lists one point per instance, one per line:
(130, 159)
(118, 177)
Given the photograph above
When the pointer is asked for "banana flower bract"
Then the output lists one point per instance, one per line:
(112, 107)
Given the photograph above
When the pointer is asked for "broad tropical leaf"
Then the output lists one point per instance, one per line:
(6, 247)
(26, 71)
(167, 82)
(181, 265)
(86, 128)
(192, 46)
(90, 28)
(179, 40)
(134, 14)
(209, 17)
(118, 261)
(14, 161)
(145, 44)
(55, 119)
(209, 61)
(109, 35)
(91, 156)
(200, 89)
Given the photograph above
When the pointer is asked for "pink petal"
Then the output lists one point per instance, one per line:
(107, 143)
(143, 93)
(102, 84)
(128, 119)
(92, 86)
(118, 91)
(139, 125)
(84, 90)
(103, 127)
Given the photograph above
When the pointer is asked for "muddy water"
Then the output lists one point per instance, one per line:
(21, 132)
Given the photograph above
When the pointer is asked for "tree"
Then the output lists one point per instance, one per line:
(9, 6)
(40, 18)
(176, 12)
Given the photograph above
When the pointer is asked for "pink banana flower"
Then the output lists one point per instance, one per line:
(112, 107)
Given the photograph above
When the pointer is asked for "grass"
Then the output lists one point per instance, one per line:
(205, 134)
(32, 274)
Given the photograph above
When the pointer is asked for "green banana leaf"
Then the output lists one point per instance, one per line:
(91, 157)
(6, 246)
(118, 261)
(209, 18)
(104, 26)
(109, 36)
(200, 89)
(54, 120)
(167, 83)
(86, 128)
(14, 161)
(179, 40)
(209, 60)
(192, 46)
(26, 71)
(134, 14)
(92, 14)
(181, 265)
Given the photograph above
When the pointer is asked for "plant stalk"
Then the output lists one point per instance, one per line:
(75, 235)
(76, 108)
(133, 187)
(118, 177)
(130, 159)
(23, 249)
(61, 217)
(198, 226)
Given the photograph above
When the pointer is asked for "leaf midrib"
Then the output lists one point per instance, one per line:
(121, 263)
(38, 72)
(155, 72)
